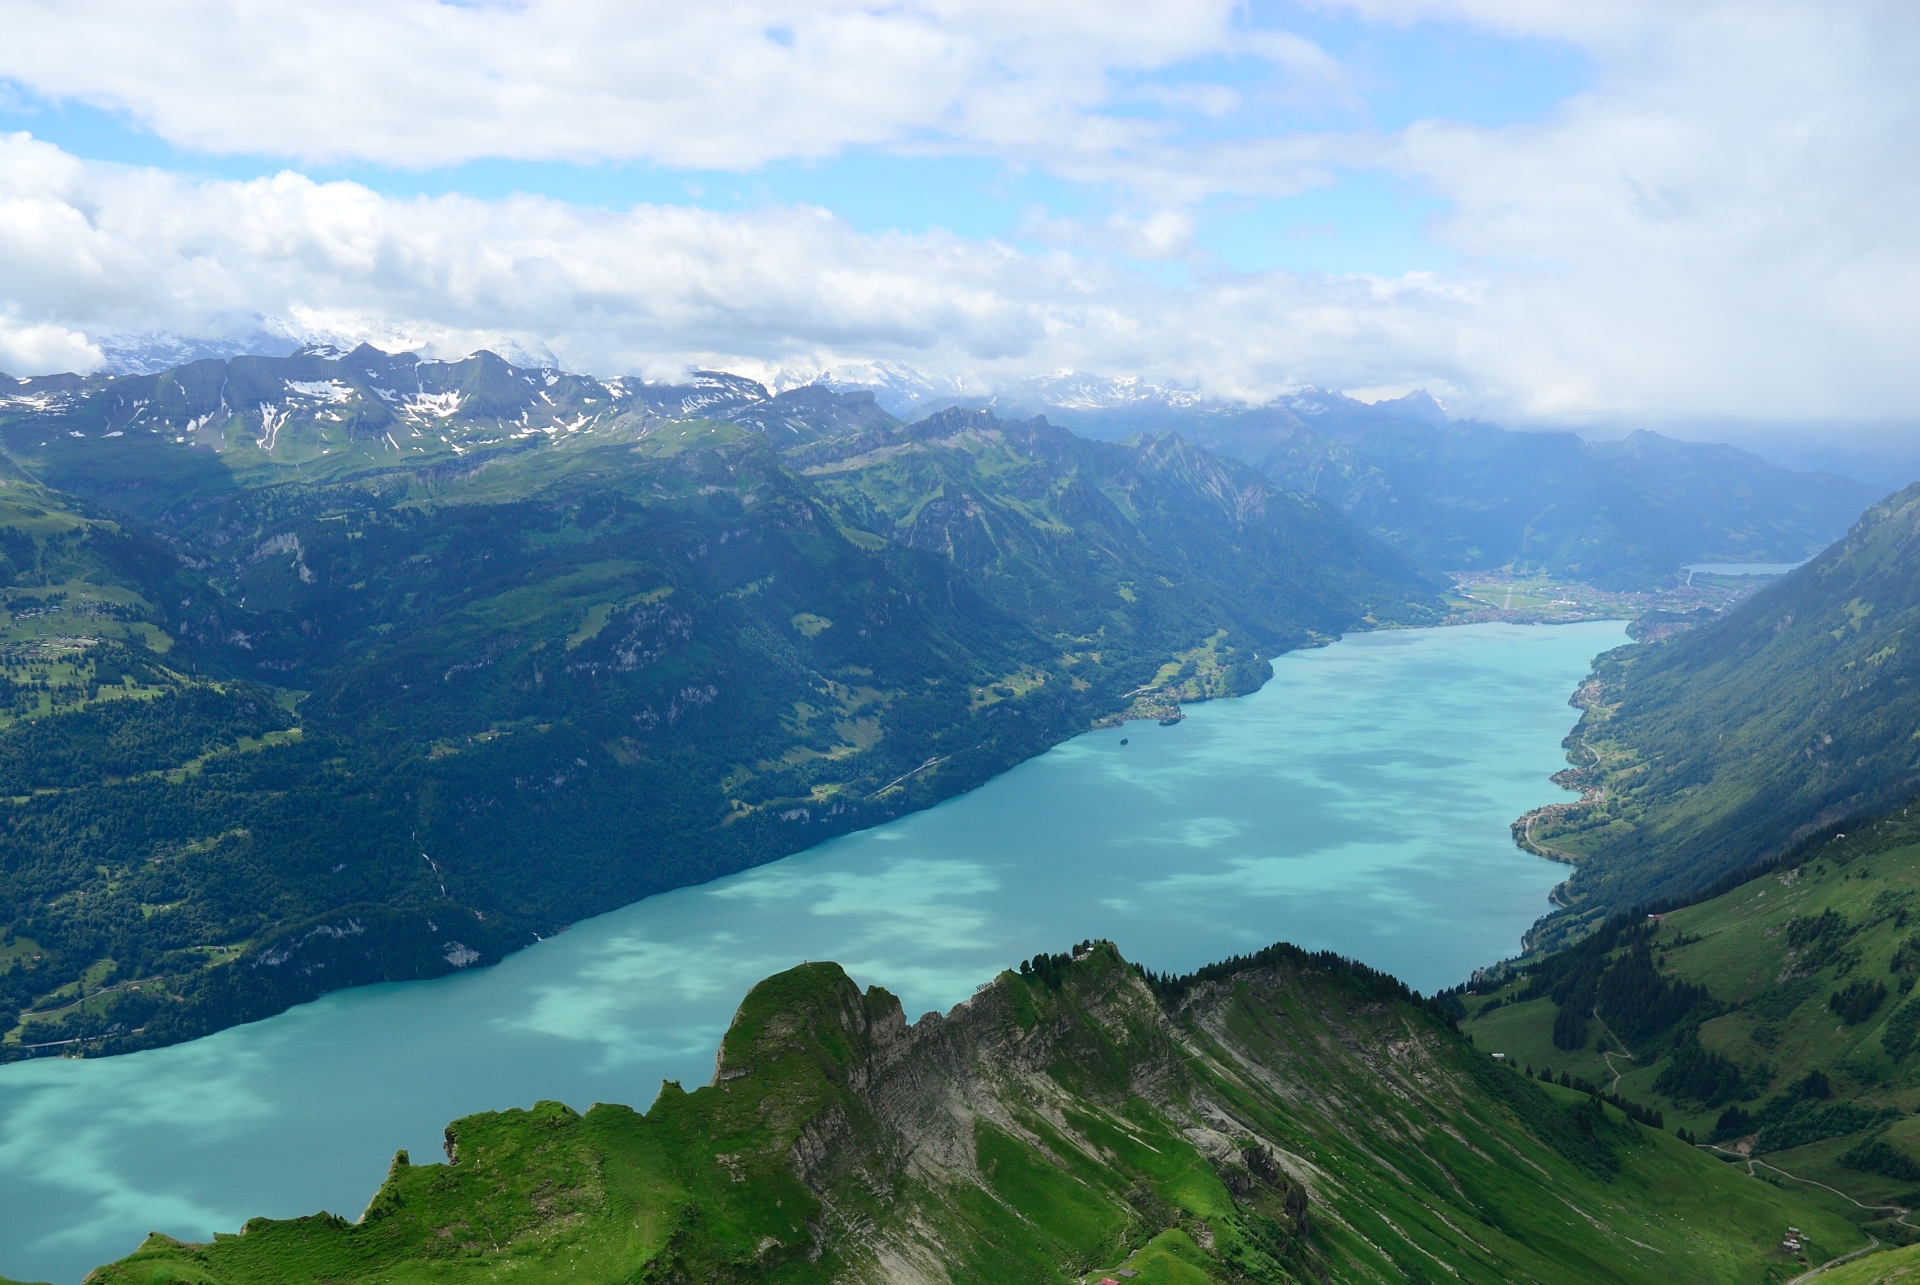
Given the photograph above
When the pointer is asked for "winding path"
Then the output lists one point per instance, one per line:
(75, 1003)
(1607, 1057)
(1835, 1262)
(1540, 848)
(1900, 1212)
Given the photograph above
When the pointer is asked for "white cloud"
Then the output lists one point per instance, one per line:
(723, 85)
(102, 250)
(1720, 227)
(1723, 226)
(1160, 234)
(731, 86)
(40, 348)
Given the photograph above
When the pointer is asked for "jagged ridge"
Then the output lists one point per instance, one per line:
(1292, 1120)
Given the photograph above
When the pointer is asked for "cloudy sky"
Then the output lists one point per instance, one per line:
(1590, 212)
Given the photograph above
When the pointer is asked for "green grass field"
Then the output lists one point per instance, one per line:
(1777, 956)
(1891, 1267)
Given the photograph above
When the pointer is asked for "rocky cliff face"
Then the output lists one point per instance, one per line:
(1284, 1118)
(1033, 1069)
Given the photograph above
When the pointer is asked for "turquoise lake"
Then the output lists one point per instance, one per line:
(1360, 801)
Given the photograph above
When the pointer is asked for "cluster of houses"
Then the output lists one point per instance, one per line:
(1792, 1243)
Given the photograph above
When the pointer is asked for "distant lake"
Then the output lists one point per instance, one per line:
(1359, 801)
(1743, 568)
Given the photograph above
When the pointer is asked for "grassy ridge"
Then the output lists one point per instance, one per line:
(1891, 1268)
(1287, 1120)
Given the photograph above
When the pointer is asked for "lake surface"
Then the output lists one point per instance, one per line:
(1359, 801)
(1743, 568)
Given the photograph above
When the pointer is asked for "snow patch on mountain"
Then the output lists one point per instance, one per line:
(431, 405)
(330, 390)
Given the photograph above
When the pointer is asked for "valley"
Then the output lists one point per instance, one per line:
(1651, 614)
(347, 668)
(591, 595)
(476, 652)
(1204, 838)
(1618, 516)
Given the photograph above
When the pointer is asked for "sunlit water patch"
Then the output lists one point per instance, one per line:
(1360, 802)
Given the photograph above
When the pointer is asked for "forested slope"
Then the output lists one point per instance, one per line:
(1718, 747)
(406, 664)
(1461, 495)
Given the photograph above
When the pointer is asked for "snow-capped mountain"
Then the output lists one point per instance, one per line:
(155, 351)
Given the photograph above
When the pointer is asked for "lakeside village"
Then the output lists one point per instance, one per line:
(1504, 595)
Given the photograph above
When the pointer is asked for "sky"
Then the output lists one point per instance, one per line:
(1598, 214)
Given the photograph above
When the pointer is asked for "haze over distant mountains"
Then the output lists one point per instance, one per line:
(1888, 456)
(1459, 495)
(1885, 455)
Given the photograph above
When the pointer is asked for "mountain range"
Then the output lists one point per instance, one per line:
(346, 667)
(1460, 495)
(1457, 495)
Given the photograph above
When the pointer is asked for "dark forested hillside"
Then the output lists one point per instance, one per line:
(398, 664)
(1719, 747)
(1056, 528)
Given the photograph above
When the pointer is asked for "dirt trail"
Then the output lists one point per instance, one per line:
(76, 1003)
(1900, 1212)
(1607, 1057)
(1835, 1262)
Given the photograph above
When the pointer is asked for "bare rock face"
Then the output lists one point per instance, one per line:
(1056, 1072)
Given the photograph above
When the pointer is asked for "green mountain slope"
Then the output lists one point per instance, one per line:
(1466, 496)
(151, 445)
(1899, 1265)
(406, 714)
(1776, 1020)
(1061, 530)
(1716, 748)
(1283, 1118)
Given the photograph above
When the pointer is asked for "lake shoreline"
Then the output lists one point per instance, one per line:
(1358, 801)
